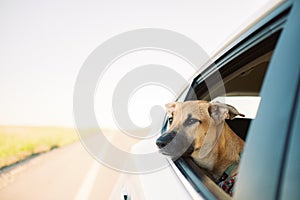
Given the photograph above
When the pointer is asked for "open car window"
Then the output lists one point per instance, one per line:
(242, 71)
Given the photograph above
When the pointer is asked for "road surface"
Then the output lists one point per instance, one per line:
(64, 173)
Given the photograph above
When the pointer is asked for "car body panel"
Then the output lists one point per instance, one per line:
(291, 174)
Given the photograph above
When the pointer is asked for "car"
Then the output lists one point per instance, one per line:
(259, 73)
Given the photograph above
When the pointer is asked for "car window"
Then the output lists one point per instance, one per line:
(242, 90)
(242, 73)
(240, 83)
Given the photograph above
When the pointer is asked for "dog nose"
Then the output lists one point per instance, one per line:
(165, 139)
(160, 143)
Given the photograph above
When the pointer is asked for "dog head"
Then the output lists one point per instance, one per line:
(193, 125)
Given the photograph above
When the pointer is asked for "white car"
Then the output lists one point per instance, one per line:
(260, 68)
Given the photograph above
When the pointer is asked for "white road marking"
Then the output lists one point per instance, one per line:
(88, 182)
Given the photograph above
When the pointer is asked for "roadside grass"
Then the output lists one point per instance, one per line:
(18, 142)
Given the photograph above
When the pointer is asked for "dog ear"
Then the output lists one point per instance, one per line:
(170, 107)
(220, 111)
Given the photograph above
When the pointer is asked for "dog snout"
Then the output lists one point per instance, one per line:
(165, 139)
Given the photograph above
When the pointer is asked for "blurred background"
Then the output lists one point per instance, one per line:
(43, 46)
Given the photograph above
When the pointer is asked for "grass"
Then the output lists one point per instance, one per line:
(18, 143)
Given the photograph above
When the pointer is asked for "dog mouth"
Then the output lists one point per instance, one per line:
(165, 153)
(190, 150)
(175, 145)
(174, 154)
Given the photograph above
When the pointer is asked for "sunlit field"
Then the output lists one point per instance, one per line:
(18, 143)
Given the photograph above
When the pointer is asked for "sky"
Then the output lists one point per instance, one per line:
(45, 43)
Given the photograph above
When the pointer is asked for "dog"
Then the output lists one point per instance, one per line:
(198, 129)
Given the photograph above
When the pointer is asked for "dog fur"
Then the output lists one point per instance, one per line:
(204, 135)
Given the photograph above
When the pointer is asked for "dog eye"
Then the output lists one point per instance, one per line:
(170, 120)
(191, 121)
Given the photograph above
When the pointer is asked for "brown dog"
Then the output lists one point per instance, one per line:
(198, 128)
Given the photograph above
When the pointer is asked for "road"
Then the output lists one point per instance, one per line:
(65, 173)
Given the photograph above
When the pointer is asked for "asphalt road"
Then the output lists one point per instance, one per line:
(65, 173)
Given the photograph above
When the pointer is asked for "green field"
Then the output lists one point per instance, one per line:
(18, 143)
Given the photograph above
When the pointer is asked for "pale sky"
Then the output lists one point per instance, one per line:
(44, 44)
